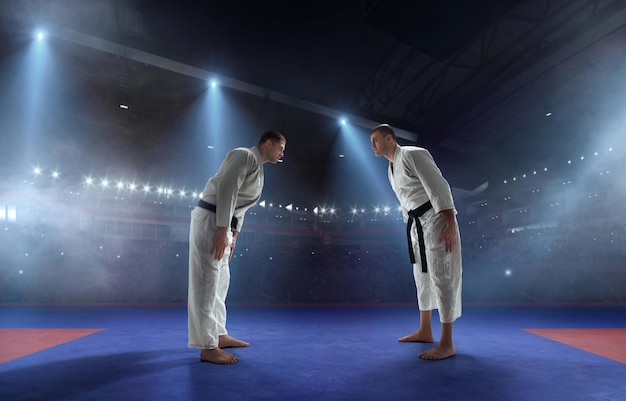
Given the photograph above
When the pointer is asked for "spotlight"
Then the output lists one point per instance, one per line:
(343, 121)
(40, 35)
(213, 83)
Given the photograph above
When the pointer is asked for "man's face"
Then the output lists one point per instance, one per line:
(276, 151)
(380, 144)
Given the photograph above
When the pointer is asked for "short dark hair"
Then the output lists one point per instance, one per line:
(273, 136)
(385, 129)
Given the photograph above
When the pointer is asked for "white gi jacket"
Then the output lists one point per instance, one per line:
(416, 179)
(236, 186)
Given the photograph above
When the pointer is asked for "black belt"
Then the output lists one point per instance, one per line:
(208, 206)
(414, 215)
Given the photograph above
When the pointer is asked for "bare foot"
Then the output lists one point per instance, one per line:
(227, 341)
(438, 352)
(417, 337)
(218, 356)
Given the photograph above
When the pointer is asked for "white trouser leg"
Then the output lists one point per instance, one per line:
(208, 283)
(440, 287)
(223, 283)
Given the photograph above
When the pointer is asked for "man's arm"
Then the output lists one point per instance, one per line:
(234, 173)
(422, 164)
(227, 191)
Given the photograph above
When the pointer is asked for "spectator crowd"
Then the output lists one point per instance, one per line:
(578, 262)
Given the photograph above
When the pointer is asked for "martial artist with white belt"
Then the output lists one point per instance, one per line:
(433, 236)
(215, 222)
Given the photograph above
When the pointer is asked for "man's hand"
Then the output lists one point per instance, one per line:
(220, 242)
(449, 233)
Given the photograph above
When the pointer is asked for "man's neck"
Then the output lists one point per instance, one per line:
(262, 153)
(391, 155)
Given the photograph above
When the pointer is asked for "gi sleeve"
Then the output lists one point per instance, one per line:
(235, 170)
(422, 164)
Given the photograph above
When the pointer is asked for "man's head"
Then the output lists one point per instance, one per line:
(385, 129)
(383, 141)
(272, 146)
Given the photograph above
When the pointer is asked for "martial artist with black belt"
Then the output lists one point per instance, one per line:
(433, 236)
(227, 196)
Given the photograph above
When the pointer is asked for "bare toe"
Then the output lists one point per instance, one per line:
(437, 353)
(417, 337)
(227, 341)
(217, 356)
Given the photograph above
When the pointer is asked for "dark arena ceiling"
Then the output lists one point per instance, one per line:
(490, 87)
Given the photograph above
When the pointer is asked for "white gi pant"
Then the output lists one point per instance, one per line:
(209, 279)
(440, 287)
